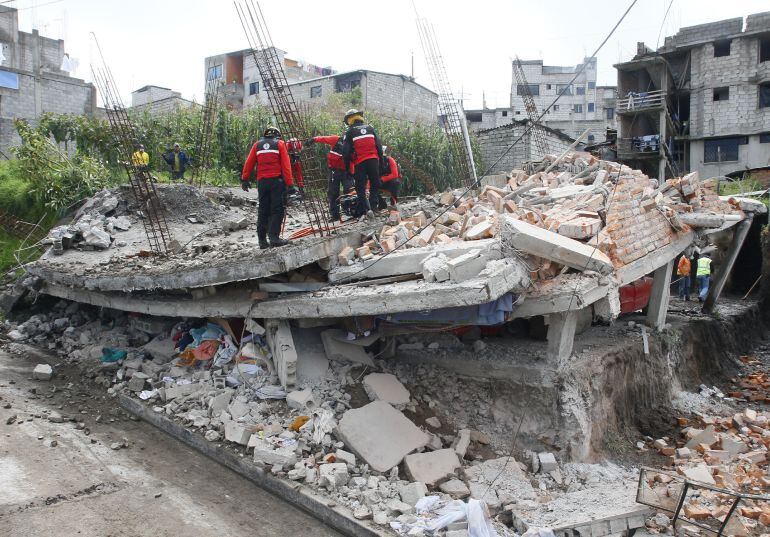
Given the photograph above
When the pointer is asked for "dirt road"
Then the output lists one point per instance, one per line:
(80, 486)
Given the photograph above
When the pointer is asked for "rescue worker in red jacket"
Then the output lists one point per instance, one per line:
(391, 180)
(338, 174)
(294, 147)
(362, 149)
(271, 159)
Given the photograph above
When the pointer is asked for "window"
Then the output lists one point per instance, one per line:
(505, 113)
(590, 107)
(610, 113)
(764, 137)
(547, 86)
(9, 80)
(764, 95)
(215, 72)
(591, 85)
(723, 149)
(473, 117)
(580, 90)
(518, 113)
(721, 48)
(764, 49)
(565, 88)
(578, 108)
(315, 91)
(721, 94)
(253, 88)
(591, 138)
(521, 89)
(556, 108)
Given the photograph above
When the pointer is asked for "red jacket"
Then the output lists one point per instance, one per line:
(394, 171)
(271, 159)
(361, 143)
(334, 158)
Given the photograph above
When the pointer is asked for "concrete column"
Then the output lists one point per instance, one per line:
(561, 335)
(718, 282)
(661, 290)
(662, 122)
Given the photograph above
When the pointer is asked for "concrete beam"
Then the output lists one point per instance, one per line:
(409, 261)
(659, 296)
(553, 296)
(561, 335)
(643, 266)
(554, 247)
(739, 235)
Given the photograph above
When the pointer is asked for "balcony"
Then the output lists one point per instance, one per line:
(646, 101)
(641, 147)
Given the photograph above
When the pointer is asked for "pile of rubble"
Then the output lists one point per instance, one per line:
(719, 454)
(349, 433)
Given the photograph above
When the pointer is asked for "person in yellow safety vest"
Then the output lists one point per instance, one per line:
(703, 274)
(140, 159)
(683, 271)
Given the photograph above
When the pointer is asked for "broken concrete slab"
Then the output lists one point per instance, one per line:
(281, 344)
(219, 402)
(707, 437)
(333, 475)
(180, 390)
(386, 387)
(42, 372)
(547, 462)
(268, 453)
(456, 488)
(302, 400)
(700, 473)
(461, 442)
(411, 493)
(380, 435)
(237, 433)
(537, 241)
(432, 467)
(467, 266)
(338, 349)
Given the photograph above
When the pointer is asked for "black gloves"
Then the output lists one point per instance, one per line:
(309, 142)
(245, 185)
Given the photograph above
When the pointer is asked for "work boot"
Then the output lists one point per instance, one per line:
(263, 244)
(278, 241)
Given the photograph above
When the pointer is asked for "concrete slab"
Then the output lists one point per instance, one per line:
(554, 247)
(380, 435)
(432, 467)
(281, 343)
(386, 387)
(338, 349)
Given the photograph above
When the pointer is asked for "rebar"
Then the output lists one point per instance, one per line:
(209, 111)
(450, 109)
(142, 184)
(536, 132)
(290, 121)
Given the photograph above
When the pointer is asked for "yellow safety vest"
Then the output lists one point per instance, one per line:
(140, 158)
(704, 266)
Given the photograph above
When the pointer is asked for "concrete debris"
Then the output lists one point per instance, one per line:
(411, 493)
(432, 467)
(333, 475)
(338, 349)
(386, 387)
(42, 372)
(301, 400)
(380, 435)
(547, 462)
(456, 488)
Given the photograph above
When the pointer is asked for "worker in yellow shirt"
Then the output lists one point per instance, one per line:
(140, 159)
(703, 274)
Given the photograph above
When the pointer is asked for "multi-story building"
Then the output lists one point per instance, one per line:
(34, 78)
(389, 95)
(158, 100)
(582, 104)
(701, 102)
(488, 118)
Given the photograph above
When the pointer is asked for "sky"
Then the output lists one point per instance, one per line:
(164, 42)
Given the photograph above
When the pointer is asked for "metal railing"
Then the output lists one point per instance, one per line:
(675, 491)
(645, 100)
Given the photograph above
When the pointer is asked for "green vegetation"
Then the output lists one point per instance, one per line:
(742, 186)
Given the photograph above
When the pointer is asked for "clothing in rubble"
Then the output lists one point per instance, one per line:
(361, 147)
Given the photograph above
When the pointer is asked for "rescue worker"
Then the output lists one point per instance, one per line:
(273, 174)
(140, 159)
(391, 180)
(362, 149)
(338, 174)
(177, 161)
(683, 271)
(703, 274)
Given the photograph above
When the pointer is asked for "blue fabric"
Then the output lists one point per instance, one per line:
(489, 314)
(703, 282)
(211, 331)
(184, 341)
(684, 287)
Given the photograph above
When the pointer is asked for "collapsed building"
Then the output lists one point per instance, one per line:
(333, 324)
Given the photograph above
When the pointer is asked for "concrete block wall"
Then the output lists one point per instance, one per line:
(751, 155)
(634, 231)
(704, 32)
(494, 142)
(399, 97)
(758, 22)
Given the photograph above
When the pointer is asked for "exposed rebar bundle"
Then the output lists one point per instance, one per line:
(126, 138)
(450, 109)
(209, 113)
(537, 133)
(287, 115)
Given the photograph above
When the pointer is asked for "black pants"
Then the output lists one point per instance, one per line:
(176, 176)
(337, 178)
(271, 207)
(368, 170)
(392, 188)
